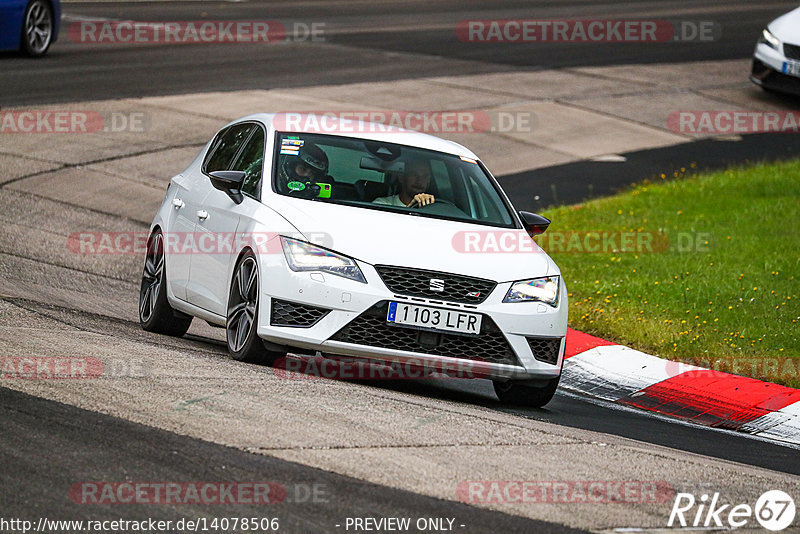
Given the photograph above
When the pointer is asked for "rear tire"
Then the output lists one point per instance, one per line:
(155, 313)
(522, 394)
(241, 326)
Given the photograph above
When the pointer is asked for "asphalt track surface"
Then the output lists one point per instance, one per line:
(312, 501)
(364, 41)
(576, 412)
(575, 182)
(46, 446)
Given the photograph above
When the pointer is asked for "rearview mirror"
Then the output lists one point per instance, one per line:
(534, 224)
(229, 182)
(375, 164)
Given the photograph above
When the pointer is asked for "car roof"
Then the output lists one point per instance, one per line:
(346, 127)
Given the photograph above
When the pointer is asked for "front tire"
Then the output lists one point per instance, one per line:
(241, 326)
(37, 28)
(155, 313)
(522, 394)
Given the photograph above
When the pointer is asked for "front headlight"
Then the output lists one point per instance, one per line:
(770, 40)
(302, 256)
(539, 290)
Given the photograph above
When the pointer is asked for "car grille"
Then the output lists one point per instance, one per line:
(285, 313)
(791, 51)
(545, 349)
(417, 282)
(370, 328)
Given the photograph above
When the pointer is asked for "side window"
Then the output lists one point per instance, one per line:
(214, 145)
(229, 143)
(251, 161)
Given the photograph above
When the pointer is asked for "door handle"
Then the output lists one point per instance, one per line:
(202, 215)
(177, 203)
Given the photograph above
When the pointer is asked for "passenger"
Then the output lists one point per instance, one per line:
(413, 183)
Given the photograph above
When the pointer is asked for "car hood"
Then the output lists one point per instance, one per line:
(787, 27)
(384, 238)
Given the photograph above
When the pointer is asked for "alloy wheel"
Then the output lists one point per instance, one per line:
(38, 27)
(242, 304)
(151, 277)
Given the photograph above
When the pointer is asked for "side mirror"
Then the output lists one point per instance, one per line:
(229, 182)
(534, 224)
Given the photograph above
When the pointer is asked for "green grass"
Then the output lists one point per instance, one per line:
(721, 293)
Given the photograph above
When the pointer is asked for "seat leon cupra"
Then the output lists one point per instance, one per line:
(359, 241)
(776, 60)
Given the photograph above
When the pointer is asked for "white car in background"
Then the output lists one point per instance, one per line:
(776, 62)
(288, 261)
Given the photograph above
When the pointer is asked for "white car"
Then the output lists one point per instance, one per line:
(323, 249)
(776, 62)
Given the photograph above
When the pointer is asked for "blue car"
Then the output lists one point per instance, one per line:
(30, 26)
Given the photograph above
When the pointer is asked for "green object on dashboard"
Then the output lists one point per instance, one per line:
(324, 191)
(311, 189)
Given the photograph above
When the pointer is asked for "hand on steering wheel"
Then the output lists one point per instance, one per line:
(421, 200)
(415, 204)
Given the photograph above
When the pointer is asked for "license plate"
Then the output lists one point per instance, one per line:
(791, 67)
(434, 318)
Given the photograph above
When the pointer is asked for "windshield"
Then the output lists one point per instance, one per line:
(386, 176)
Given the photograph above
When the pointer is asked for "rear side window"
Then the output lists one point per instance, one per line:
(226, 146)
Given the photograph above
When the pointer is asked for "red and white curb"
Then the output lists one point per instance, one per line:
(599, 368)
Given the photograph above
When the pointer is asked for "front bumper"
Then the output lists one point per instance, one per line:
(339, 316)
(767, 71)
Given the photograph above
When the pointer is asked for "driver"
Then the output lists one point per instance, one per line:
(413, 184)
(309, 165)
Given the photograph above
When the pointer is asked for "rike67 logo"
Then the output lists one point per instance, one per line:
(774, 510)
